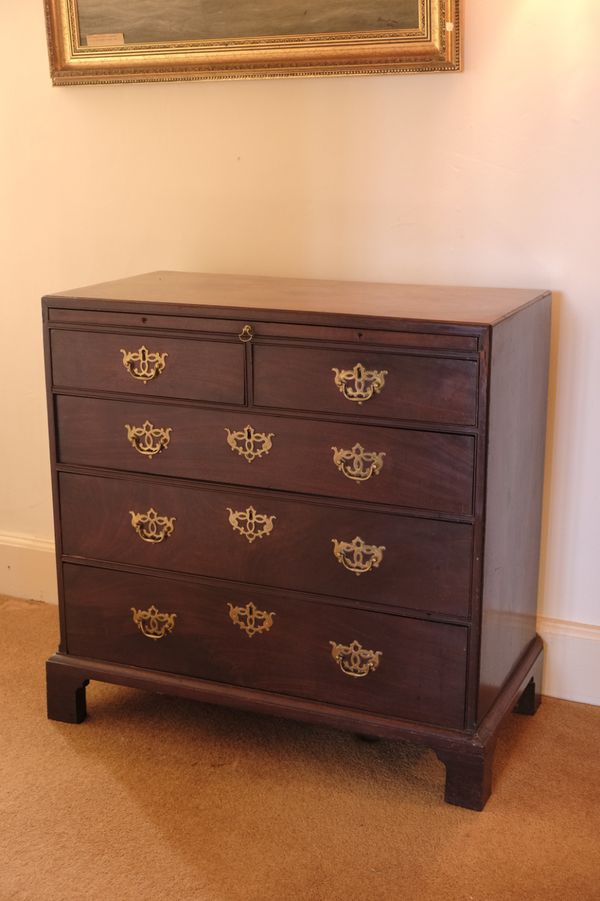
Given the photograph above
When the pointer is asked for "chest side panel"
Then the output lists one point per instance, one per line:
(515, 472)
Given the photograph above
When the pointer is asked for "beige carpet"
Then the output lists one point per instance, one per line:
(158, 798)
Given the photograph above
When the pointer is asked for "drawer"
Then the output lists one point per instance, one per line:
(140, 364)
(409, 468)
(383, 663)
(400, 561)
(363, 383)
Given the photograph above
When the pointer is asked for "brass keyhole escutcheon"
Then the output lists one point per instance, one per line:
(249, 443)
(250, 524)
(250, 619)
(359, 384)
(143, 364)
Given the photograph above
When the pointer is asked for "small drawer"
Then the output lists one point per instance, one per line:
(398, 561)
(403, 467)
(378, 662)
(363, 383)
(211, 370)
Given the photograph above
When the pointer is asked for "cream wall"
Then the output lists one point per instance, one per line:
(488, 177)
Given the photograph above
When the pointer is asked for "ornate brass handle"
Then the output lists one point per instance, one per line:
(142, 364)
(358, 464)
(357, 556)
(249, 443)
(251, 620)
(153, 624)
(148, 439)
(359, 384)
(354, 660)
(247, 334)
(250, 524)
(151, 527)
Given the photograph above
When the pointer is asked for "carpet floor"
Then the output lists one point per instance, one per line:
(159, 799)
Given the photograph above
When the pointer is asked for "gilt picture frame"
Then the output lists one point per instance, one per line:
(107, 41)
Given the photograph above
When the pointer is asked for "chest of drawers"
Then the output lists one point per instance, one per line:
(319, 500)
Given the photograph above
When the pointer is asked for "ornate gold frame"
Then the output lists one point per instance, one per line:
(434, 47)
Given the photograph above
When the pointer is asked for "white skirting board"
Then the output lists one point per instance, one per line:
(571, 660)
(27, 568)
(572, 650)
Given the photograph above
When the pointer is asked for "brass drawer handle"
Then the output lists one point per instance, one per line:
(153, 624)
(151, 527)
(354, 660)
(142, 364)
(358, 464)
(359, 384)
(249, 443)
(251, 620)
(247, 334)
(357, 556)
(250, 524)
(148, 439)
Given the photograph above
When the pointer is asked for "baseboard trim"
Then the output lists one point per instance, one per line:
(565, 627)
(572, 660)
(27, 568)
(572, 657)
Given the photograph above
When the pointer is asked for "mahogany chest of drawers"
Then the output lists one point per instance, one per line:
(313, 499)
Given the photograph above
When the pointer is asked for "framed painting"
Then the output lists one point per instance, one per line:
(100, 41)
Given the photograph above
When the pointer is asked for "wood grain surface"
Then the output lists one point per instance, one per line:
(422, 470)
(426, 564)
(426, 303)
(455, 507)
(421, 674)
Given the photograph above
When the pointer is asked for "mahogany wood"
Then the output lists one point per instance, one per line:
(442, 339)
(468, 775)
(417, 388)
(430, 471)
(65, 693)
(200, 370)
(420, 676)
(515, 473)
(449, 744)
(456, 505)
(308, 300)
(531, 698)
(426, 563)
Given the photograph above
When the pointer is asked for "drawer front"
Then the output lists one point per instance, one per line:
(377, 662)
(409, 468)
(396, 386)
(141, 364)
(400, 561)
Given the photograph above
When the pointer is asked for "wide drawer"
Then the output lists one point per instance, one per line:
(212, 370)
(396, 386)
(407, 562)
(409, 468)
(382, 663)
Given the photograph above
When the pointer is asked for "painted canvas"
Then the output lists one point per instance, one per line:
(142, 21)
